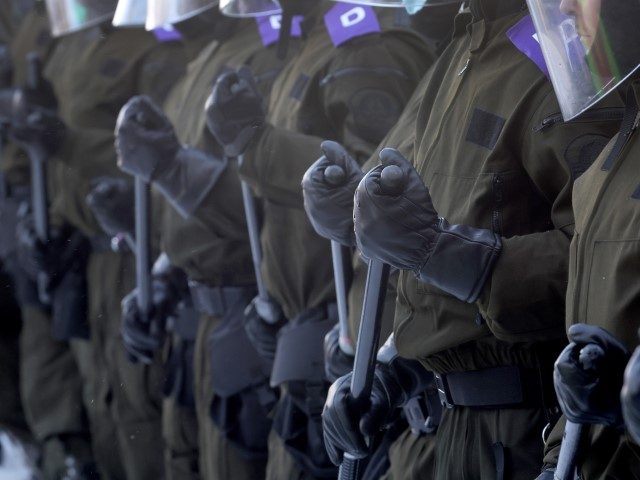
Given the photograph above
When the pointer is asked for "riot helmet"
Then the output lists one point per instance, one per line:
(590, 47)
(249, 8)
(170, 12)
(130, 13)
(68, 16)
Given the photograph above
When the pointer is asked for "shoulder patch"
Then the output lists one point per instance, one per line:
(269, 28)
(583, 151)
(375, 112)
(345, 21)
(167, 34)
(525, 38)
(484, 128)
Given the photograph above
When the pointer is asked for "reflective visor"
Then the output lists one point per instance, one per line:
(249, 8)
(67, 16)
(130, 13)
(170, 12)
(590, 47)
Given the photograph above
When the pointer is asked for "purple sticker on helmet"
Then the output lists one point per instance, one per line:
(524, 36)
(167, 34)
(346, 21)
(269, 28)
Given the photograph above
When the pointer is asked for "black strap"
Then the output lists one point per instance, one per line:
(497, 387)
(498, 455)
(628, 125)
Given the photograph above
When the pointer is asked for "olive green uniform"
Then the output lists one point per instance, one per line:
(492, 158)
(603, 263)
(324, 93)
(50, 381)
(212, 247)
(94, 72)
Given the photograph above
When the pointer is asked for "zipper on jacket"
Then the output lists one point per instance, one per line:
(600, 114)
(466, 66)
(376, 71)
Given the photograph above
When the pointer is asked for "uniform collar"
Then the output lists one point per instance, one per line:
(493, 9)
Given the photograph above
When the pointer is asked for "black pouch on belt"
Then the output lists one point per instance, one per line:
(299, 369)
(242, 397)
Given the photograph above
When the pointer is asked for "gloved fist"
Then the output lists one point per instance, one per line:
(588, 376)
(395, 221)
(262, 334)
(112, 202)
(143, 334)
(336, 362)
(328, 187)
(145, 138)
(630, 396)
(346, 425)
(235, 112)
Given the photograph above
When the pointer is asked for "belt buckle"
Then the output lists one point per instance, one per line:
(443, 391)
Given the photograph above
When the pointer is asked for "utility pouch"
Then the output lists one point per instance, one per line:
(242, 398)
(299, 368)
(300, 353)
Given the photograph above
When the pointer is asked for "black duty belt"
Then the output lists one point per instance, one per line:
(498, 387)
(215, 301)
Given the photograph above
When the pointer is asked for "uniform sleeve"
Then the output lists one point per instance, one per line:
(161, 69)
(361, 95)
(524, 299)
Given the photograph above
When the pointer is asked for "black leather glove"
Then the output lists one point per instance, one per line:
(396, 222)
(53, 257)
(328, 193)
(346, 425)
(336, 362)
(235, 111)
(148, 148)
(112, 202)
(588, 376)
(630, 396)
(262, 334)
(143, 335)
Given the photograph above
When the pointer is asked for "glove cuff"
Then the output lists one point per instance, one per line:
(192, 175)
(410, 377)
(462, 260)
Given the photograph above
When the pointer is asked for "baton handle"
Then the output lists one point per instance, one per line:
(340, 279)
(366, 349)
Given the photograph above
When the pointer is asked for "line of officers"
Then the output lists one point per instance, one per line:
(268, 154)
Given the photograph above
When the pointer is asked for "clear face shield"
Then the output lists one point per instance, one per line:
(250, 8)
(67, 16)
(130, 13)
(170, 12)
(590, 47)
(412, 6)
